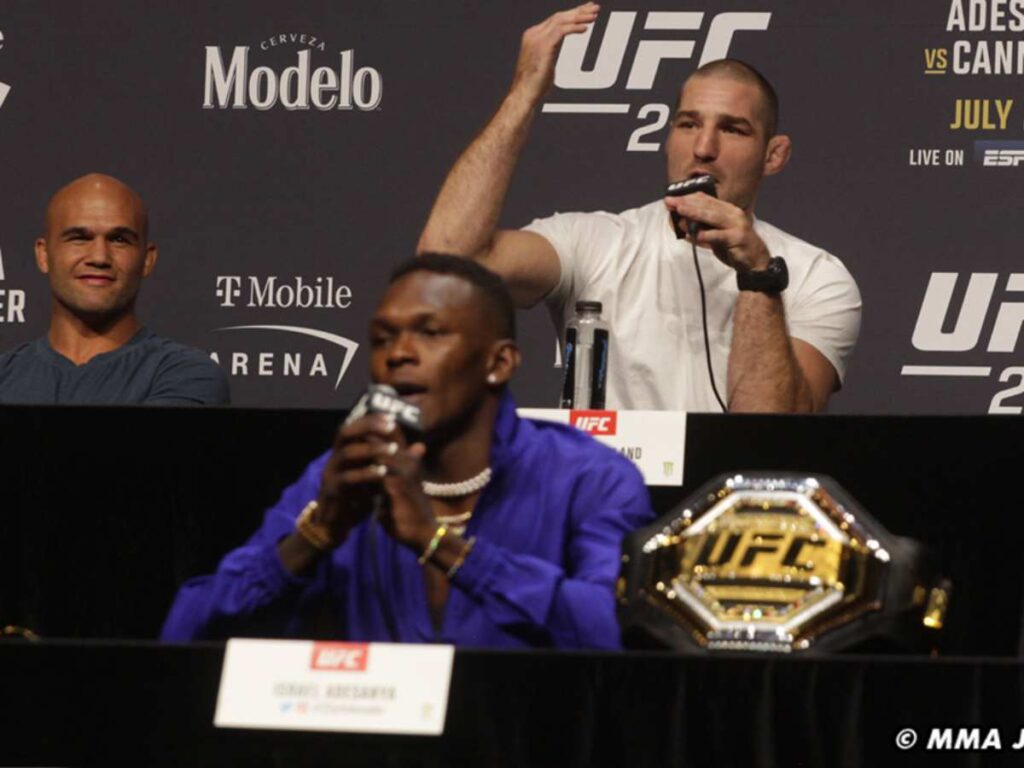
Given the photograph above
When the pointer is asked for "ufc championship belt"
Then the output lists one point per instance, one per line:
(775, 562)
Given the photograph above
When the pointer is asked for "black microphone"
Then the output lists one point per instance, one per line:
(705, 184)
(382, 398)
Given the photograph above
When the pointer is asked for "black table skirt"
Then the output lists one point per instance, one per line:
(89, 703)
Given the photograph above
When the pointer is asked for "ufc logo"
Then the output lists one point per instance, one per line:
(406, 412)
(933, 331)
(340, 657)
(569, 72)
(595, 422)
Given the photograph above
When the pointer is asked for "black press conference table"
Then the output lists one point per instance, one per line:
(139, 703)
(105, 511)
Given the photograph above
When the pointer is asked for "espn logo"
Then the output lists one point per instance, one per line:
(340, 657)
(1003, 158)
(594, 422)
(999, 154)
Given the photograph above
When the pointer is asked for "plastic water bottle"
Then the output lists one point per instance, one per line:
(585, 358)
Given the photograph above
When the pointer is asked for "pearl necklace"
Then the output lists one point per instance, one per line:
(461, 488)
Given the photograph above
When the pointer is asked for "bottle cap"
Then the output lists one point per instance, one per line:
(588, 306)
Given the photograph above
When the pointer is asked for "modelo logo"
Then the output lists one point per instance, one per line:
(298, 87)
(595, 422)
(340, 657)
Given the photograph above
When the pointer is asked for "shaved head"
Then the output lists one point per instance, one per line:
(741, 72)
(96, 186)
(96, 250)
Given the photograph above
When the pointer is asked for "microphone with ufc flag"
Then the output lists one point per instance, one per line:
(382, 398)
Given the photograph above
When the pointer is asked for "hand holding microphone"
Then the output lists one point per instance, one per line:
(375, 467)
(705, 184)
(718, 224)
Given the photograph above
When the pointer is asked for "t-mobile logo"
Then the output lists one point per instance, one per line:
(228, 289)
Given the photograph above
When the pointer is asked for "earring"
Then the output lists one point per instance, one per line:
(492, 379)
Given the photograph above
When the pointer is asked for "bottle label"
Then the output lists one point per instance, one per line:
(599, 371)
(568, 369)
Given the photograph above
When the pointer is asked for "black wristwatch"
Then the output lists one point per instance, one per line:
(772, 279)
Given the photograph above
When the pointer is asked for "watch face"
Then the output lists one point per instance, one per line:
(773, 279)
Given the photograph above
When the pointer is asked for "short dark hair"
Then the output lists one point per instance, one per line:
(740, 70)
(499, 305)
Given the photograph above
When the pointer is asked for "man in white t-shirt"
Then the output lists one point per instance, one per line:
(782, 316)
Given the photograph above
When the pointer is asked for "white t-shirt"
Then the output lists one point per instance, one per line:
(644, 278)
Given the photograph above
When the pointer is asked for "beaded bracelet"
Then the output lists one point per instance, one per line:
(433, 545)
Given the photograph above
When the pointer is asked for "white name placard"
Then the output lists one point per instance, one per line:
(654, 440)
(334, 686)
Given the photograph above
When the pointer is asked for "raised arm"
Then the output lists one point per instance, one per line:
(465, 216)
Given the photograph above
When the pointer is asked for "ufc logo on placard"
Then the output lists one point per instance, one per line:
(595, 422)
(340, 657)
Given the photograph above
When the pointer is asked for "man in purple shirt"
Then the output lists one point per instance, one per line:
(497, 531)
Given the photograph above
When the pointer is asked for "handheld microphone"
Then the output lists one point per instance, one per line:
(705, 184)
(382, 398)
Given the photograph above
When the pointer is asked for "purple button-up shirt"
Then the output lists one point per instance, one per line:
(548, 530)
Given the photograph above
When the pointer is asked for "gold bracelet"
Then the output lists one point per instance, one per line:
(462, 557)
(315, 533)
(433, 545)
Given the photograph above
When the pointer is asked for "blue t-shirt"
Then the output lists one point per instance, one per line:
(548, 529)
(148, 370)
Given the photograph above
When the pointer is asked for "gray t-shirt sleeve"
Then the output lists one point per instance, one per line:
(188, 377)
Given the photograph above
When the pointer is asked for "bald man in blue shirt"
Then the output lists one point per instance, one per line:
(96, 252)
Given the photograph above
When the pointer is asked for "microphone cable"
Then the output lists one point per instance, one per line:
(704, 316)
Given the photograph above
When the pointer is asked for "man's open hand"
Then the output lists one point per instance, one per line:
(535, 70)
